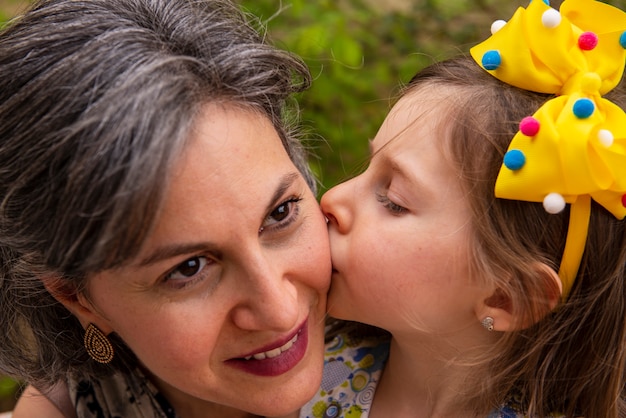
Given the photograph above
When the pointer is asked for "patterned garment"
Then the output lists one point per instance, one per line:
(119, 396)
(352, 369)
(512, 410)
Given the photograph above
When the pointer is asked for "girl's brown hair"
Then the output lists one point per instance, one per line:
(572, 359)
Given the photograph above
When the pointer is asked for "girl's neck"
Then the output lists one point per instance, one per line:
(423, 379)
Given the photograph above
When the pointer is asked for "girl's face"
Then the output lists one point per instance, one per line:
(226, 301)
(400, 231)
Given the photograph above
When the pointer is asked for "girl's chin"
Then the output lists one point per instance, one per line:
(340, 300)
(338, 308)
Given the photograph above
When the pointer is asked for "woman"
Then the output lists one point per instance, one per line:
(163, 253)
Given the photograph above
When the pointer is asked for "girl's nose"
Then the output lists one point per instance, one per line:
(337, 204)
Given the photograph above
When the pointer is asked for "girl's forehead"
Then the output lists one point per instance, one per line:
(420, 110)
(424, 103)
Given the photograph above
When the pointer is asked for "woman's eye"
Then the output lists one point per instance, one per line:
(392, 207)
(188, 269)
(283, 214)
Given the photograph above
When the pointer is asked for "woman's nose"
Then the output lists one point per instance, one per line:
(271, 301)
(336, 204)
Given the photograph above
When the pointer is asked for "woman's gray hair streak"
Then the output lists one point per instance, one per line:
(96, 101)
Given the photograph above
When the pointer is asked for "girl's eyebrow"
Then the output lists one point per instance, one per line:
(174, 250)
(410, 174)
(390, 162)
(401, 171)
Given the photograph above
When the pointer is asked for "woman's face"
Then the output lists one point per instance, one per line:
(226, 301)
(400, 231)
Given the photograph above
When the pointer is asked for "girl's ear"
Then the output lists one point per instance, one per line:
(75, 302)
(499, 305)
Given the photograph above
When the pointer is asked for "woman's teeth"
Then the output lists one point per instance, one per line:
(275, 352)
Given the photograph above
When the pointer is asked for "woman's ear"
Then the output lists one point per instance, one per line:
(74, 301)
(499, 305)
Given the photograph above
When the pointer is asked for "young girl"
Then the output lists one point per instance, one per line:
(502, 305)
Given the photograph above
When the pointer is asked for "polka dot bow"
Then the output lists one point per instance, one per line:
(573, 149)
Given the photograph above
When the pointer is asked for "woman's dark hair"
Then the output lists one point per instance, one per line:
(96, 102)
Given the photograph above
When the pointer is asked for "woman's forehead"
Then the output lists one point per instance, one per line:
(232, 167)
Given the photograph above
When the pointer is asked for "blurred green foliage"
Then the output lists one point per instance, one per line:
(8, 8)
(360, 53)
(8, 391)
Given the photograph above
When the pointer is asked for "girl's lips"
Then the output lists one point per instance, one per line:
(276, 358)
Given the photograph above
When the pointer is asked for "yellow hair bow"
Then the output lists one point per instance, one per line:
(573, 149)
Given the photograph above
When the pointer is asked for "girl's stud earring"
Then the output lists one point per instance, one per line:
(487, 323)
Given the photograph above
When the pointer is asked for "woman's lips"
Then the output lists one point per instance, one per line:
(275, 352)
(277, 358)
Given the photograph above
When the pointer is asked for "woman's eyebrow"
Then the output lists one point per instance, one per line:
(285, 183)
(174, 250)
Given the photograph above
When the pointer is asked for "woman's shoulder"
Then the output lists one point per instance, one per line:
(33, 403)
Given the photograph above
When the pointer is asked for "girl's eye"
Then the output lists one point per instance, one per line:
(188, 269)
(392, 207)
(282, 215)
